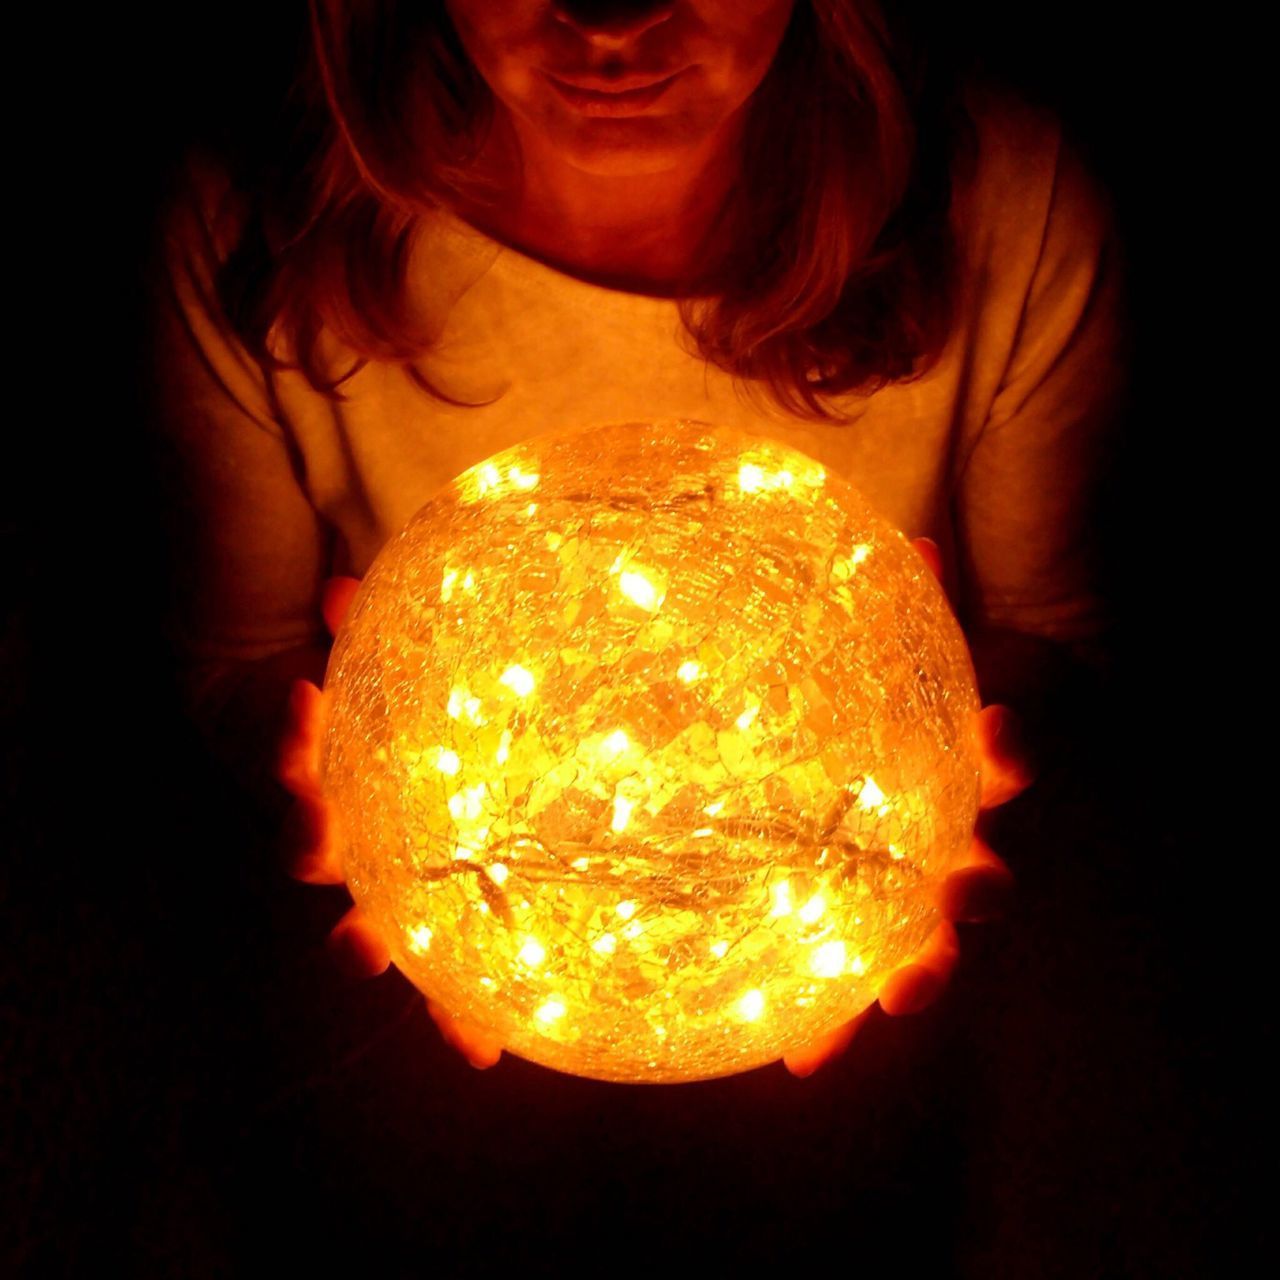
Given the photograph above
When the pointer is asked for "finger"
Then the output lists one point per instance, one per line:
(356, 947)
(1006, 768)
(310, 844)
(298, 761)
(917, 985)
(931, 553)
(805, 1060)
(335, 600)
(979, 889)
(480, 1047)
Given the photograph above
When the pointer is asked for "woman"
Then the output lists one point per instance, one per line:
(502, 217)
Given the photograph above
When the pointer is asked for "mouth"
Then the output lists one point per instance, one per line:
(623, 96)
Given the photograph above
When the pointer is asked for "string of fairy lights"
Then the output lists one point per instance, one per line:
(638, 769)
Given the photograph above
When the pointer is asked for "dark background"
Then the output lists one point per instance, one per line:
(193, 1092)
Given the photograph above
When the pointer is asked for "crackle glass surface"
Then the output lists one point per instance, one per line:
(651, 743)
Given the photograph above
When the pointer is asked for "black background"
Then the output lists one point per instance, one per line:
(193, 1092)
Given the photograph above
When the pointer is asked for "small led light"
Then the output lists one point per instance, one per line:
(638, 589)
(870, 797)
(829, 959)
(551, 1011)
(518, 680)
(812, 910)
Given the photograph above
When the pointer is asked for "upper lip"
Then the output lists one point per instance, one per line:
(626, 83)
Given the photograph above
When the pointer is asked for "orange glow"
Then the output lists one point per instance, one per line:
(653, 782)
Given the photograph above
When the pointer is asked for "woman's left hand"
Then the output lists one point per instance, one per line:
(976, 890)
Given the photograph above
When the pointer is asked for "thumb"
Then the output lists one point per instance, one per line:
(335, 600)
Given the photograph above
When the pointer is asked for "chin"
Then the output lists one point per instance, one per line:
(620, 146)
(621, 152)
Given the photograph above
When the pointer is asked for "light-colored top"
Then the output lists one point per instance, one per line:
(992, 453)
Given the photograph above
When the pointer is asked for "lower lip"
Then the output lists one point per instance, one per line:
(629, 102)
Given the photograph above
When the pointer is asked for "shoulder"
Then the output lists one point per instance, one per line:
(202, 370)
(1025, 188)
(1011, 132)
(200, 222)
(1034, 227)
(203, 213)
(214, 259)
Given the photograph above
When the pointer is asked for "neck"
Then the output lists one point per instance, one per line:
(645, 232)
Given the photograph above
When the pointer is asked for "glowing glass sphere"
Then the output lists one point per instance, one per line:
(650, 744)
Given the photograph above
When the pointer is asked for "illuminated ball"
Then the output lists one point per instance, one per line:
(651, 744)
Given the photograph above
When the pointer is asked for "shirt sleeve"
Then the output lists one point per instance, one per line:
(1027, 495)
(248, 550)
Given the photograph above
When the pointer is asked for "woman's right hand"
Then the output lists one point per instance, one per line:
(313, 845)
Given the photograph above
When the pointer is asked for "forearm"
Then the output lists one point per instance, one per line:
(242, 718)
(1051, 685)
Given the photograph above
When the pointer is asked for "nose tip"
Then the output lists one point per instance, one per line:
(612, 20)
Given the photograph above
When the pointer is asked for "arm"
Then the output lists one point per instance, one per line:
(250, 557)
(1028, 489)
(247, 550)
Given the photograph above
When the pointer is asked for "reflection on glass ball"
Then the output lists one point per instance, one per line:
(651, 744)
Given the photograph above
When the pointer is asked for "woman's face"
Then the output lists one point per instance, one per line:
(621, 87)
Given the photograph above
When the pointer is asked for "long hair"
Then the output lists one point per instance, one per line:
(838, 273)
